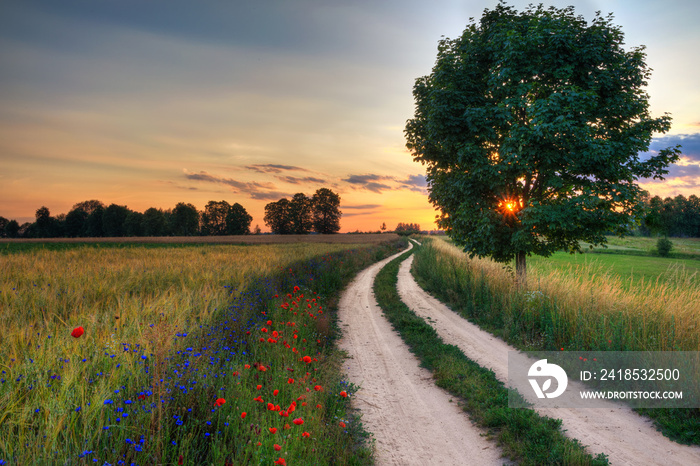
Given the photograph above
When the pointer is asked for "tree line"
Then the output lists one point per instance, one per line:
(95, 219)
(678, 216)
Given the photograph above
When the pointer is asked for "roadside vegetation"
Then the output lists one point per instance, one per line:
(584, 306)
(524, 435)
(206, 354)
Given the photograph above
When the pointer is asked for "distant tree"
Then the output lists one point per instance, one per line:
(12, 229)
(76, 222)
(185, 220)
(277, 217)
(134, 224)
(114, 219)
(257, 230)
(27, 230)
(46, 225)
(214, 218)
(94, 223)
(531, 125)
(406, 229)
(238, 220)
(154, 222)
(3, 224)
(89, 206)
(326, 211)
(383, 227)
(300, 214)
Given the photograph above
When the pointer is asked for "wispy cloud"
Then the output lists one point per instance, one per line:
(254, 189)
(274, 168)
(297, 180)
(378, 183)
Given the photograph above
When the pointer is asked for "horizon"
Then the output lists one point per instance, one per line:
(148, 105)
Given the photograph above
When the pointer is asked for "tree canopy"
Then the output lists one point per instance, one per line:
(530, 126)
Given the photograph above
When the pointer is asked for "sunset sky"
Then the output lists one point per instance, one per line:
(151, 103)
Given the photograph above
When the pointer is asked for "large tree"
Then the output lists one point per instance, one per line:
(326, 211)
(530, 126)
(214, 218)
(300, 214)
(185, 220)
(238, 220)
(277, 217)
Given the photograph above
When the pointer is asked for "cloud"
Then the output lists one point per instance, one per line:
(379, 183)
(683, 176)
(416, 183)
(273, 168)
(297, 180)
(690, 145)
(269, 196)
(253, 188)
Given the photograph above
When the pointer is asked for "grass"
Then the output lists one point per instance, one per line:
(582, 308)
(523, 434)
(168, 331)
(634, 270)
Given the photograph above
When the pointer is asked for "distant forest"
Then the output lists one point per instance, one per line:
(319, 213)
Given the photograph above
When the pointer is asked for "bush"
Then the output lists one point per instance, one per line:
(664, 246)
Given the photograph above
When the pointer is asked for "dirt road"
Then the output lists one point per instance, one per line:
(626, 437)
(412, 420)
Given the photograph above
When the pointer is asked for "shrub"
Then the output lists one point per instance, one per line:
(664, 246)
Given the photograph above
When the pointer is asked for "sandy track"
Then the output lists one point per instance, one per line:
(626, 437)
(412, 420)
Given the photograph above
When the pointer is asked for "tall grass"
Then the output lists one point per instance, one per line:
(167, 332)
(582, 307)
(576, 309)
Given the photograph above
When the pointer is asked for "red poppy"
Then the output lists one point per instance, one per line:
(142, 397)
(298, 421)
(290, 381)
(180, 459)
(275, 393)
(344, 394)
(219, 401)
(277, 447)
(281, 462)
(259, 387)
(77, 332)
(307, 359)
(306, 434)
(243, 415)
(317, 388)
(270, 407)
(341, 424)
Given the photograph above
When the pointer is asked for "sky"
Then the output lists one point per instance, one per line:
(147, 104)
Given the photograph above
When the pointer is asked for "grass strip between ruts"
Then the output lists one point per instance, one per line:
(524, 435)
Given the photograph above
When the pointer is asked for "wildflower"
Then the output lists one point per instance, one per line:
(275, 392)
(344, 394)
(341, 424)
(180, 459)
(277, 447)
(273, 430)
(317, 388)
(307, 359)
(77, 332)
(281, 462)
(219, 402)
(243, 415)
(298, 421)
(306, 434)
(290, 381)
(259, 387)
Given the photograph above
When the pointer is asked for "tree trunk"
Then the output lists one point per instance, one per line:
(521, 269)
